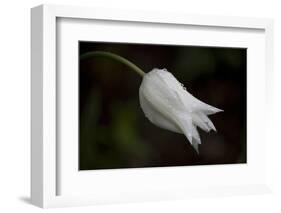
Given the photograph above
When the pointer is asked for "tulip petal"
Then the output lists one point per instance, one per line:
(203, 122)
(195, 134)
(185, 123)
(156, 117)
(196, 147)
(198, 121)
(206, 108)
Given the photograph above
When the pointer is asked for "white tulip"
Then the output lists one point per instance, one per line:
(167, 104)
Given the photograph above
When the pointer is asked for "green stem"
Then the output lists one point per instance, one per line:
(114, 57)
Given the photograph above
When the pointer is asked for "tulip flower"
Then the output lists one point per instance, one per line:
(166, 102)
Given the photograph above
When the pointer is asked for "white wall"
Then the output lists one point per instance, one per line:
(15, 98)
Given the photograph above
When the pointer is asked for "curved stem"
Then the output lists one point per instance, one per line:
(114, 57)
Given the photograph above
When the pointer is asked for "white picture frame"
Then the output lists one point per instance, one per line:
(45, 154)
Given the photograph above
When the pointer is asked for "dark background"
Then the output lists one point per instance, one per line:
(114, 132)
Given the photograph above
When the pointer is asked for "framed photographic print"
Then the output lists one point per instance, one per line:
(130, 106)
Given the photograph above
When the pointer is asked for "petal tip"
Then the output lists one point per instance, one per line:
(196, 147)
